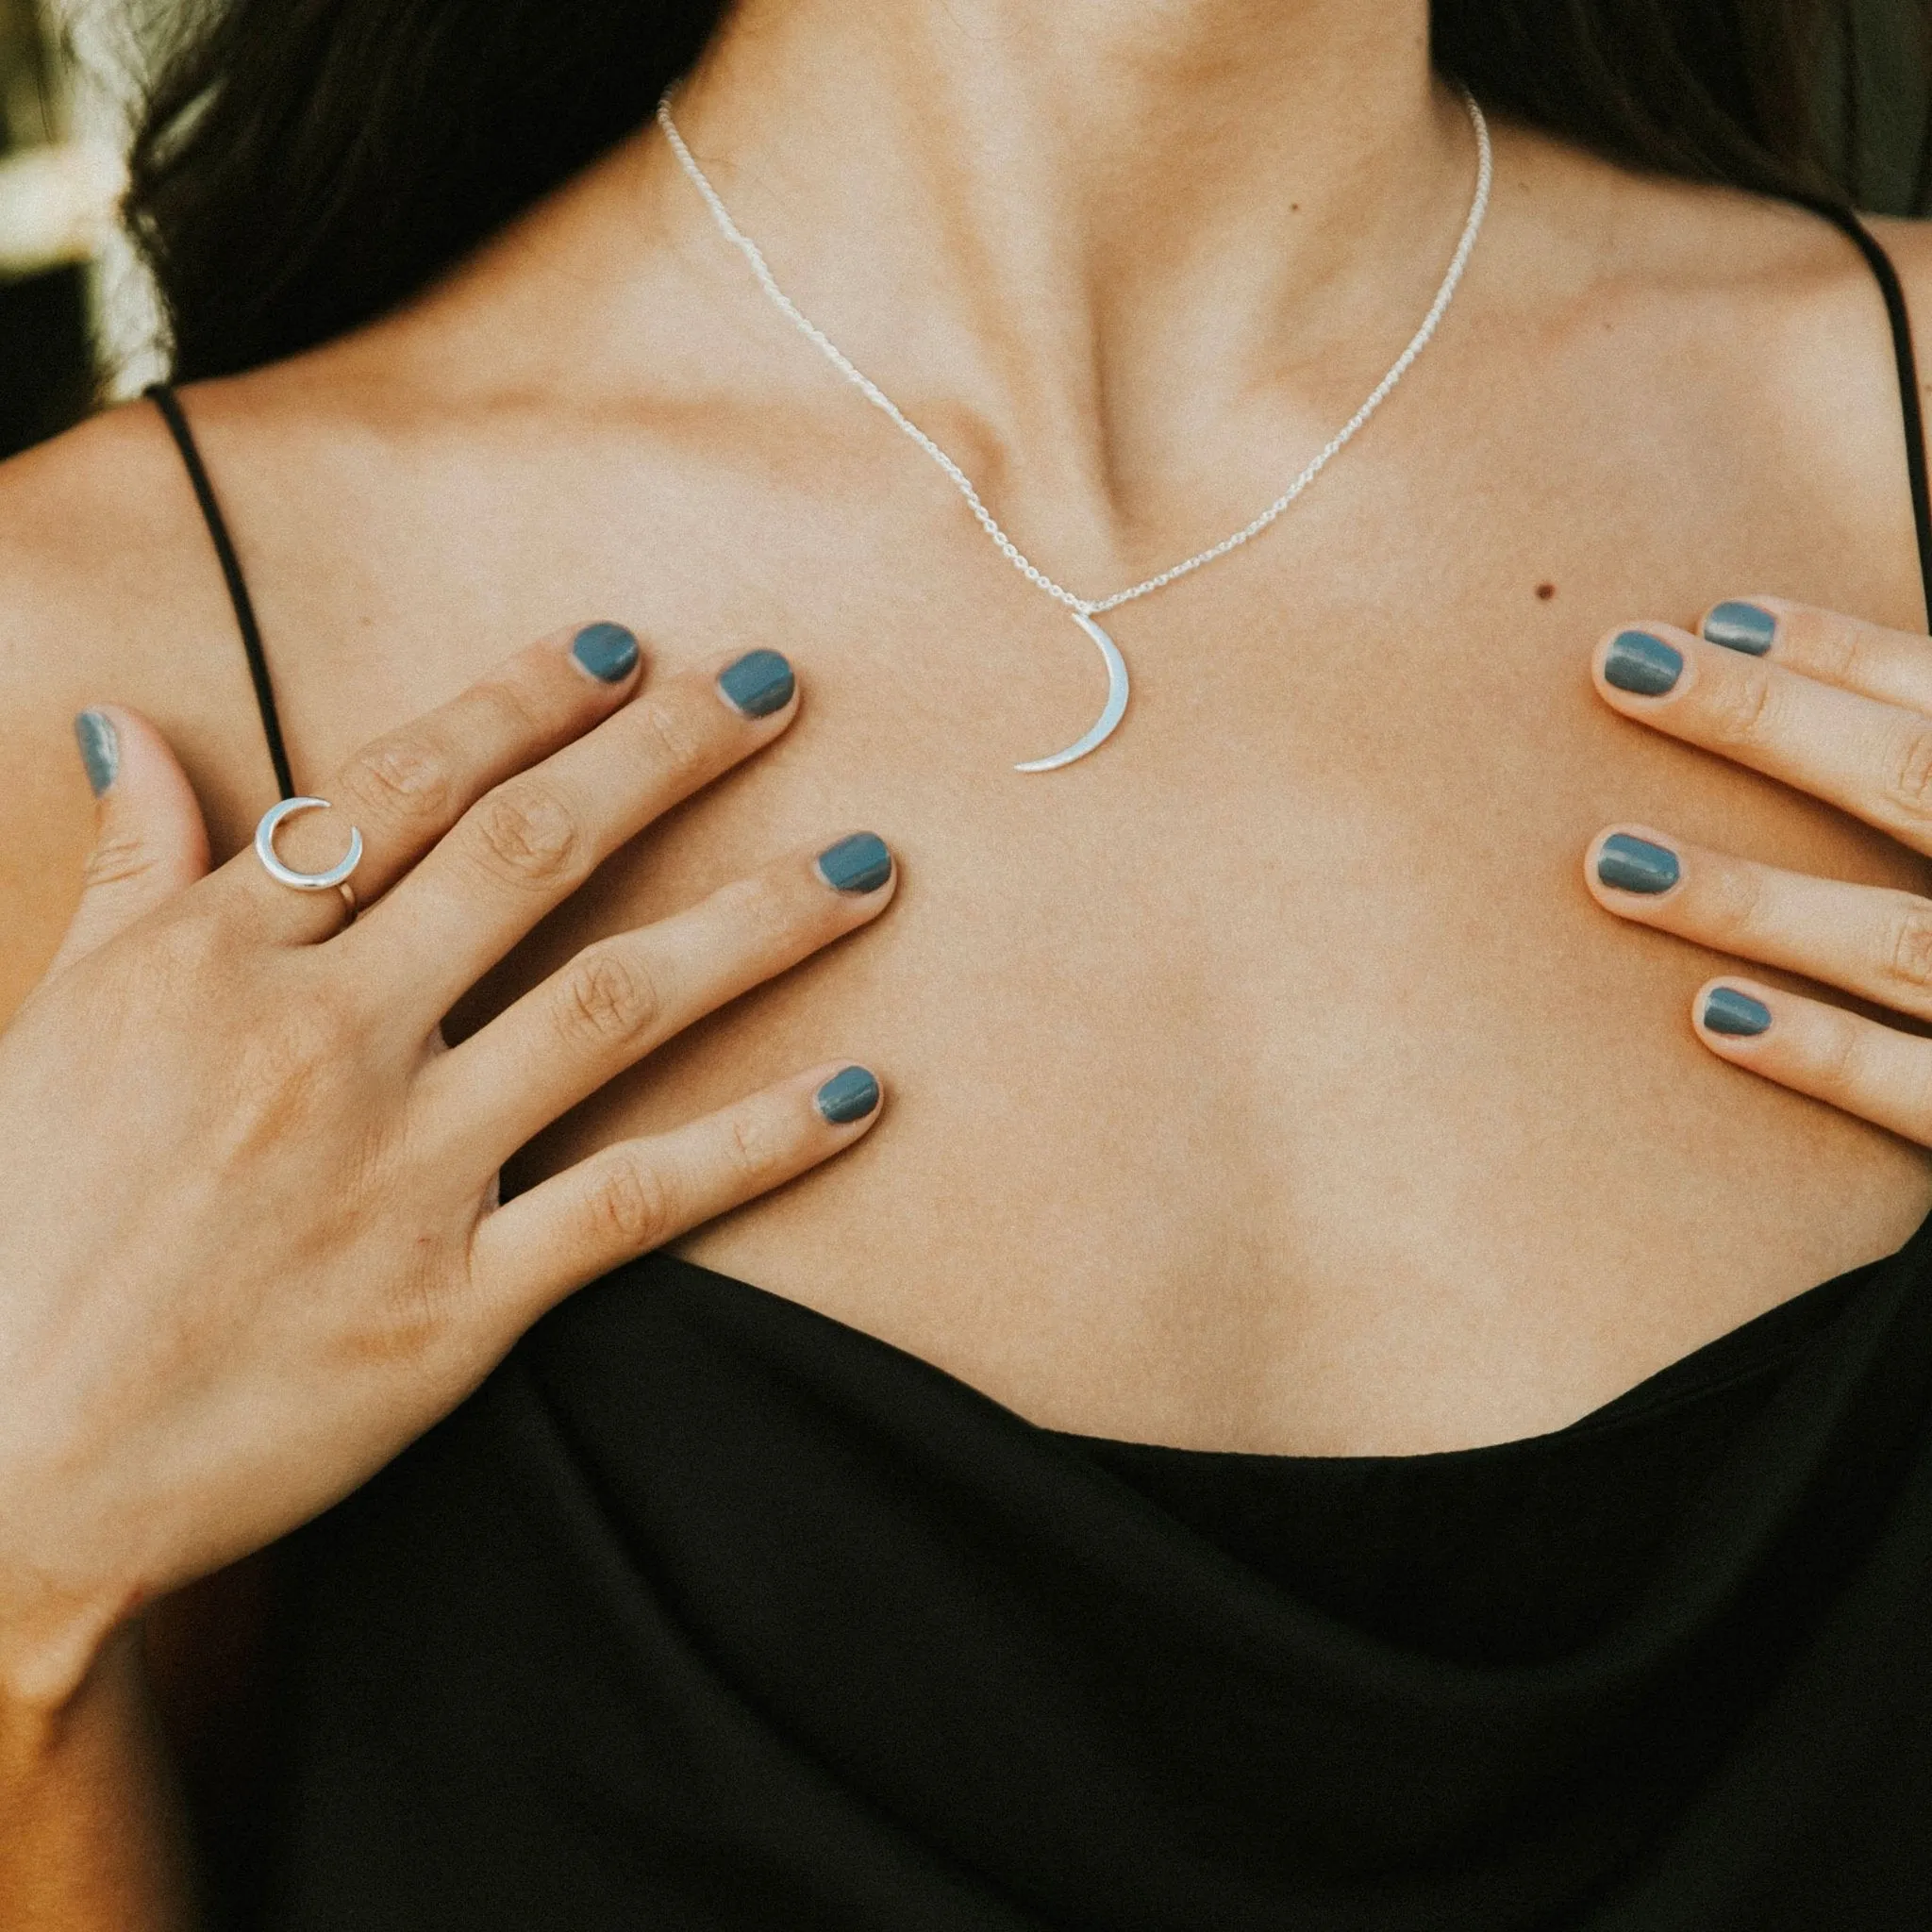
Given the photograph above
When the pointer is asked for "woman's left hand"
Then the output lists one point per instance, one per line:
(1843, 710)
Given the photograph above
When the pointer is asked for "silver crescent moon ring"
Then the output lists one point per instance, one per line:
(337, 874)
(1111, 714)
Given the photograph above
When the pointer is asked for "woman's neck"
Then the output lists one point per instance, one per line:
(1095, 226)
(1092, 245)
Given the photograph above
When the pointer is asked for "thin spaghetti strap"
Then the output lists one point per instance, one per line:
(1887, 277)
(169, 404)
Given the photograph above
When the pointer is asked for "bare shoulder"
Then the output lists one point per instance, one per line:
(110, 592)
(1765, 322)
(111, 588)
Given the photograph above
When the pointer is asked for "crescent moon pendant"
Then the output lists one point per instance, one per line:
(303, 881)
(1110, 714)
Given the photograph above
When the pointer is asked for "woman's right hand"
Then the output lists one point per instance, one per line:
(250, 1245)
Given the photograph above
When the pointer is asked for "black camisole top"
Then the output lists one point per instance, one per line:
(709, 1613)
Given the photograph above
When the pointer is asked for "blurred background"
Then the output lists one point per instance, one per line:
(77, 321)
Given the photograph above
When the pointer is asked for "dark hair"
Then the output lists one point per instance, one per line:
(304, 165)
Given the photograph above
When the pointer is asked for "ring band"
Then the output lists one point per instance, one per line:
(337, 874)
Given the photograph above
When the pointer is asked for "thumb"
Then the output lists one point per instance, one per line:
(149, 837)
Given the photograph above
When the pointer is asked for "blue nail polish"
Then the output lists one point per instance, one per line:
(1635, 865)
(759, 683)
(100, 749)
(1727, 1010)
(1640, 662)
(607, 651)
(847, 1096)
(857, 864)
(1740, 627)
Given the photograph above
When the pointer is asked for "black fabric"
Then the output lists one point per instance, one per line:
(707, 1614)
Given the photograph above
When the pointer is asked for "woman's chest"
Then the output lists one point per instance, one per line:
(1266, 1078)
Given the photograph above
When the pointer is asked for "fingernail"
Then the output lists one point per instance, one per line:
(100, 749)
(1635, 865)
(857, 864)
(1640, 662)
(607, 651)
(847, 1096)
(1727, 1010)
(1740, 627)
(759, 683)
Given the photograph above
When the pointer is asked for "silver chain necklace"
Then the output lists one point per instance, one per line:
(1084, 609)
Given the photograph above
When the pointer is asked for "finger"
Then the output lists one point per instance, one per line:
(637, 1196)
(527, 845)
(1869, 758)
(624, 995)
(1852, 1063)
(150, 841)
(1867, 940)
(404, 790)
(1893, 666)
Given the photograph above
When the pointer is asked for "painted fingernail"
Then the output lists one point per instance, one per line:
(607, 651)
(847, 1096)
(1640, 662)
(1740, 627)
(759, 683)
(100, 749)
(1635, 865)
(857, 864)
(1727, 1010)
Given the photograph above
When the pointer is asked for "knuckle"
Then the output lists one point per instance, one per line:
(1910, 785)
(753, 1151)
(1838, 1060)
(500, 712)
(608, 999)
(1732, 901)
(405, 779)
(1741, 708)
(1908, 950)
(629, 1205)
(767, 917)
(416, 1315)
(525, 834)
(1839, 650)
(673, 737)
(118, 858)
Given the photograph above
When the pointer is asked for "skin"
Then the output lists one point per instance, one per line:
(260, 1247)
(1422, 1151)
